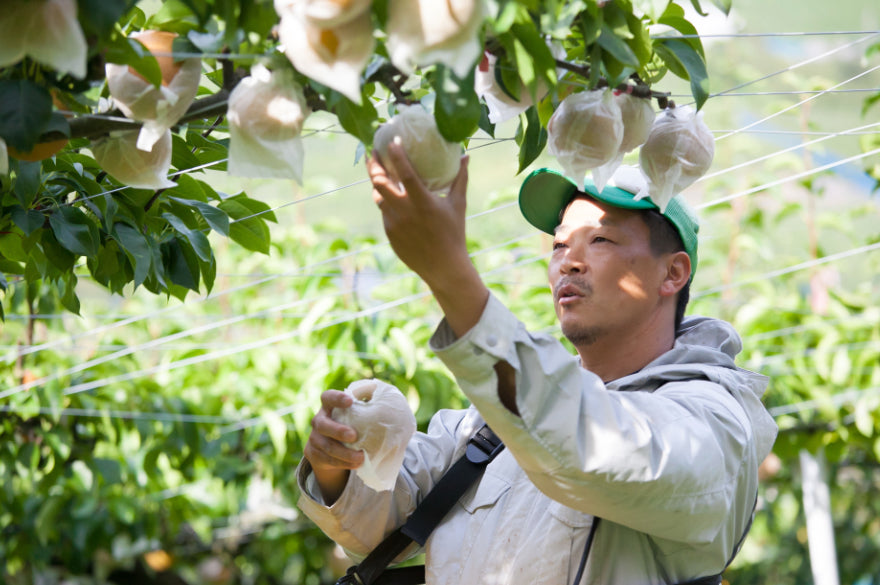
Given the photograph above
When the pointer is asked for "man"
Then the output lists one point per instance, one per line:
(651, 428)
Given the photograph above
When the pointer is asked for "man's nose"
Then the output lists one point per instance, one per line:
(572, 262)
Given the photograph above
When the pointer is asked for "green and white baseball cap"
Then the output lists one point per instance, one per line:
(546, 192)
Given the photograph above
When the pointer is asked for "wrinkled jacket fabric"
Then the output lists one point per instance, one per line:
(667, 456)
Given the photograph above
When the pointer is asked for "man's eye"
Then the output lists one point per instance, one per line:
(558, 245)
(599, 239)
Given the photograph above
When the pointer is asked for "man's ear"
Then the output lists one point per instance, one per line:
(678, 272)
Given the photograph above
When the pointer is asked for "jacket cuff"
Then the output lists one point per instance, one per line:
(472, 357)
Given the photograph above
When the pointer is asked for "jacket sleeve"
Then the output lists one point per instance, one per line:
(665, 463)
(361, 518)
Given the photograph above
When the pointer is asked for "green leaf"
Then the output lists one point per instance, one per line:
(457, 108)
(28, 220)
(640, 43)
(216, 218)
(684, 26)
(864, 418)
(182, 156)
(98, 16)
(249, 230)
(617, 47)
(358, 120)
(693, 64)
(136, 248)
(46, 520)
(74, 230)
(67, 288)
(531, 138)
(11, 249)
(698, 8)
(277, 433)
(209, 273)
(108, 470)
(172, 11)
(196, 238)
(58, 256)
(25, 110)
(485, 125)
(28, 181)
(108, 266)
(181, 264)
(537, 59)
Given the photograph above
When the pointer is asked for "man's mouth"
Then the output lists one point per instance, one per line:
(568, 293)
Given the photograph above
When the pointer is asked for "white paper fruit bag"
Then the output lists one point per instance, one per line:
(334, 55)
(585, 132)
(424, 32)
(46, 30)
(679, 150)
(159, 108)
(384, 423)
(266, 114)
(325, 13)
(120, 156)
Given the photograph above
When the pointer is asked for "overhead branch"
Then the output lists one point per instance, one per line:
(93, 126)
(393, 79)
(639, 89)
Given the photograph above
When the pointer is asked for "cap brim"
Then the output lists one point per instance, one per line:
(546, 192)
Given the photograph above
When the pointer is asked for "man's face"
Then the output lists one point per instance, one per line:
(603, 275)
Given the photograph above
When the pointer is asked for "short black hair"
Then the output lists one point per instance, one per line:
(665, 239)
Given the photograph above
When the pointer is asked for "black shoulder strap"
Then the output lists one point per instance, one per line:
(481, 449)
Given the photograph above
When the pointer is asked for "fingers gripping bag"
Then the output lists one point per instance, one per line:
(679, 150)
(585, 132)
(159, 108)
(433, 158)
(384, 423)
(266, 114)
(638, 119)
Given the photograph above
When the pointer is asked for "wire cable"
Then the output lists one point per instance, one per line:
(787, 179)
(783, 271)
(798, 104)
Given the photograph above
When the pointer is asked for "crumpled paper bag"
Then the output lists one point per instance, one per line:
(679, 150)
(266, 114)
(585, 132)
(159, 108)
(120, 156)
(384, 423)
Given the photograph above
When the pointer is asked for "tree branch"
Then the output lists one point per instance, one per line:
(640, 89)
(393, 79)
(93, 126)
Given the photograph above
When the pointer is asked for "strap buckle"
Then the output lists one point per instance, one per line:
(483, 446)
(351, 577)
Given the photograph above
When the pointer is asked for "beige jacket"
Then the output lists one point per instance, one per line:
(667, 456)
